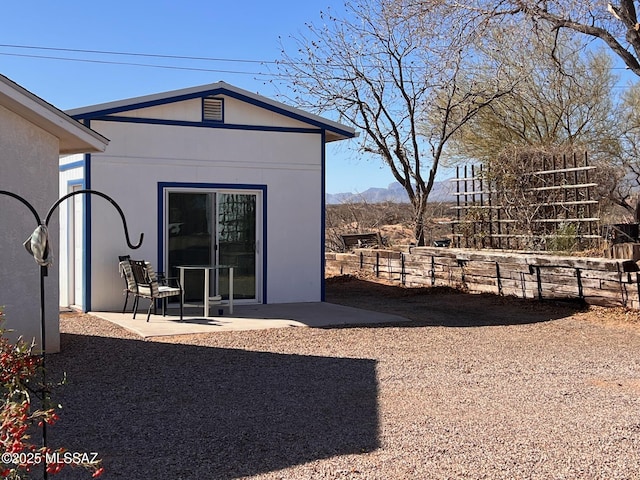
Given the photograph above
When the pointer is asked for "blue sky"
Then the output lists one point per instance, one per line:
(241, 30)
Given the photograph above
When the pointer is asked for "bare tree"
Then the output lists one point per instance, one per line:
(615, 23)
(392, 69)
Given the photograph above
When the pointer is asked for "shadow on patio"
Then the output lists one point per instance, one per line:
(160, 410)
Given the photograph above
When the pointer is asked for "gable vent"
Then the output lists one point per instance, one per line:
(212, 109)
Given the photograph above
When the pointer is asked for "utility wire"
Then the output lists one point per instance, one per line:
(167, 67)
(133, 54)
(150, 55)
(110, 62)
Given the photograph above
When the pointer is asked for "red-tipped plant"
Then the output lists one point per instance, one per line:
(20, 371)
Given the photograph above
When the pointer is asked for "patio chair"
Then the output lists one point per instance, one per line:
(124, 268)
(148, 286)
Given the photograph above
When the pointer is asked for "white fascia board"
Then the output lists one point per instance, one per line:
(72, 135)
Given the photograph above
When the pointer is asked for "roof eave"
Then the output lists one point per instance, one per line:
(72, 135)
(332, 136)
(335, 130)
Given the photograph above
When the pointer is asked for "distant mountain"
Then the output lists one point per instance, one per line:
(441, 192)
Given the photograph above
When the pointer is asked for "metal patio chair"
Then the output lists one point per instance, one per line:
(148, 286)
(129, 282)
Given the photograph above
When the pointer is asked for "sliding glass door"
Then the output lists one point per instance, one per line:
(236, 237)
(214, 227)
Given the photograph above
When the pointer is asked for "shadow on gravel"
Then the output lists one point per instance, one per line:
(156, 410)
(443, 306)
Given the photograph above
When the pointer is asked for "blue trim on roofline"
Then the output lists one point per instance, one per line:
(71, 166)
(216, 91)
(205, 124)
(285, 112)
(162, 186)
(146, 104)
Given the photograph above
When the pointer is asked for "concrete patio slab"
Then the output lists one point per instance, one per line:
(249, 317)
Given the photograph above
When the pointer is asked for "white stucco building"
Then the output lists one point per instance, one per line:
(211, 175)
(33, 134)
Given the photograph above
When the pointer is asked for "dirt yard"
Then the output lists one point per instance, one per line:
(443, 306)
(475, 387)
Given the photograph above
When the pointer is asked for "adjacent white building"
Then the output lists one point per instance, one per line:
(211, 175)
(33, 134)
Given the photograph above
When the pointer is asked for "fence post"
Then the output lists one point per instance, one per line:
(579, 278)
(433, 271)
(462, 264)
(623, 290)
(538, 278)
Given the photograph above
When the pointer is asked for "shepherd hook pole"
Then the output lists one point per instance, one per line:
(44, 273)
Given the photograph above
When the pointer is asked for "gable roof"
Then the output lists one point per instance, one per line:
(335, 131)
(72, 135)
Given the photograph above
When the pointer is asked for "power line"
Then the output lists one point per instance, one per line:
(134, 54)
(154, 55)
(111, 62)
(163, 56)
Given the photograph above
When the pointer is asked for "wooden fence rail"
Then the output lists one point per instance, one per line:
(596, 281)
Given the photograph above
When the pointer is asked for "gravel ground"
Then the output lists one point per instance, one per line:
(475, 387)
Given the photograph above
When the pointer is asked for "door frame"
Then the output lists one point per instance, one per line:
(261, 219)
(75, 234)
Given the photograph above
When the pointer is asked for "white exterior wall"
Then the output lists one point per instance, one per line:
(28, 167)
(142, 155)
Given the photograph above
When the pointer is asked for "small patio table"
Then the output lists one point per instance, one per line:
(207, 271)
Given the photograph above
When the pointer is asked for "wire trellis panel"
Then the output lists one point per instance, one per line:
(550, 202)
